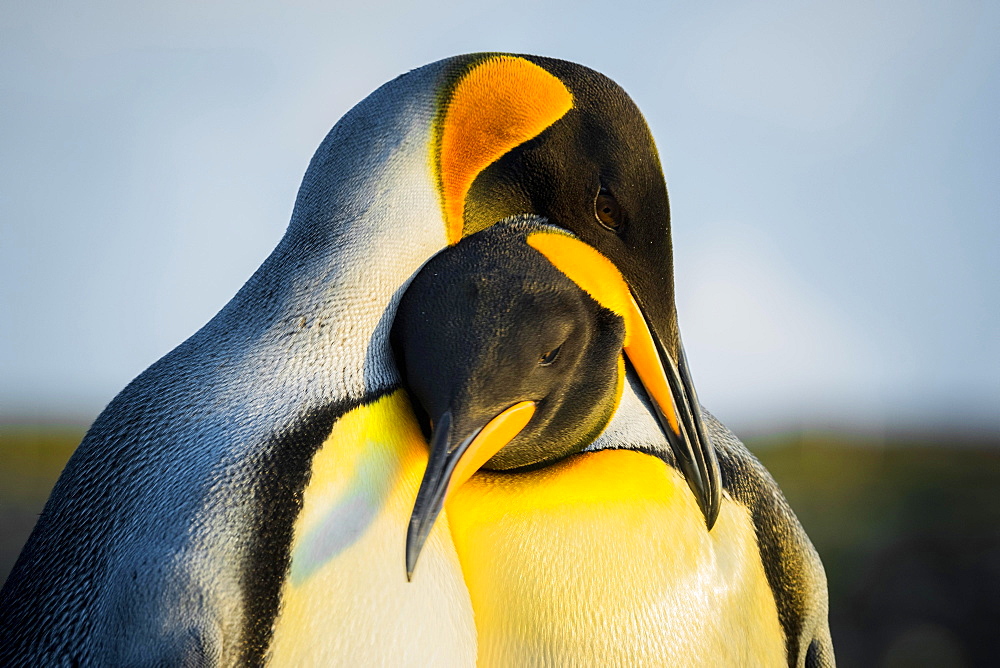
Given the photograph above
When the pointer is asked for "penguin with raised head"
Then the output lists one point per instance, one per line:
(245, 498)
(577, 536)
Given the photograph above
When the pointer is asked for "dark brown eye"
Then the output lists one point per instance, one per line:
(549, 357)
(607, 210)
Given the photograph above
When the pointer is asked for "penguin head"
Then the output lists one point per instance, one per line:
(490, 324)
(531, 135)
(512, 345)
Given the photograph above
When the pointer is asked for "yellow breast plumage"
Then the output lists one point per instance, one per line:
(592, 562)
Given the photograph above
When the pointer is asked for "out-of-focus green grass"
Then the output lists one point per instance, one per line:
(31, 459)
(909, 532)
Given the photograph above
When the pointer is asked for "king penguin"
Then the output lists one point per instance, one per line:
(243, 501)
(582, 545)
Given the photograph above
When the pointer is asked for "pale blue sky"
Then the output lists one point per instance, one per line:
(834, 170)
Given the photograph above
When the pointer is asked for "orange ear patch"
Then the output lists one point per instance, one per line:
(587, 267)
(499, 104)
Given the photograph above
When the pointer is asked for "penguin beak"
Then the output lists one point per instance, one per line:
(668, 383)
(454, 458)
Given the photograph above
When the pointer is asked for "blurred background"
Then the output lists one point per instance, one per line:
(834, 171)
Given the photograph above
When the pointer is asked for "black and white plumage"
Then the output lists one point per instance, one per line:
(245, 499)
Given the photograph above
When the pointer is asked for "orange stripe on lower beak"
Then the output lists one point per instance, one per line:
(641, 351)
(454, 458)
(497, 433)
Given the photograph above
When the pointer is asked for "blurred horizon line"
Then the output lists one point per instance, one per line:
(966, 434)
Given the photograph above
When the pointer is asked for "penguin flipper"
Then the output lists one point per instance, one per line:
(820, 652)
(792, 566)
(195, 649)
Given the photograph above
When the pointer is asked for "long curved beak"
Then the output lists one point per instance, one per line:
(669, 385)
(454, 458)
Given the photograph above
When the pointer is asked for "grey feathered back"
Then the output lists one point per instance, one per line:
(167, 533)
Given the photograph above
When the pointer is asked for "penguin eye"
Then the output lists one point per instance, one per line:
(549, 357)
(608, 213)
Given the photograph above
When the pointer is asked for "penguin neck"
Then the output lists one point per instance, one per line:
(311, 326)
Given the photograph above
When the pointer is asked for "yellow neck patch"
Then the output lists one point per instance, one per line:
(588, 268)
(498, 105)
